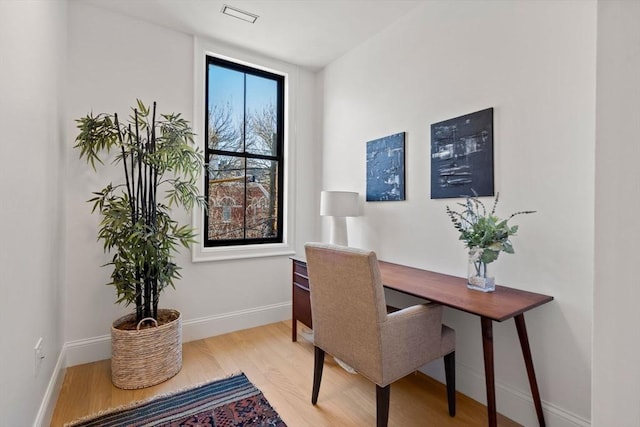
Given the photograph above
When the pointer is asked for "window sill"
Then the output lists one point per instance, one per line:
(202, 254)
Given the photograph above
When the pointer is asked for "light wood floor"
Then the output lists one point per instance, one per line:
(283, 370)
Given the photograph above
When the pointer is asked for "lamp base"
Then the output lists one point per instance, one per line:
(339, 231)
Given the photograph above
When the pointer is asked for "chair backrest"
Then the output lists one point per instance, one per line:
(347, 304)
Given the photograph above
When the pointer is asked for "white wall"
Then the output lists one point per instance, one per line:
(534, 62)
(32, 48)
(113, 60)
(616, 371)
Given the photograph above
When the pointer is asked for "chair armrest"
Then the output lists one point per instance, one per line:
(411, 338)
(423, 321)
(414, 310)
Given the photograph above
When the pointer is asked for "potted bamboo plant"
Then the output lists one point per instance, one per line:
(156, 154)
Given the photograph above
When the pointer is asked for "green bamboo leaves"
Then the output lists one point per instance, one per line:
(155, 155)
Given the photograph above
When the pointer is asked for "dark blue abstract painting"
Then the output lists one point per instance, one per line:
(385, 168)
(462, 156)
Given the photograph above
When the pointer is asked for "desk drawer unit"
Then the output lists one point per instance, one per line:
(301, 303)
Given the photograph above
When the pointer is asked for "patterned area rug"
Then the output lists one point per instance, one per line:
(230, 402)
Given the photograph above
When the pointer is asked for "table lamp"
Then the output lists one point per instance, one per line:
(339, 205)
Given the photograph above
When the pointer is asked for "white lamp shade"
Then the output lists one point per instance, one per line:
(339, 203)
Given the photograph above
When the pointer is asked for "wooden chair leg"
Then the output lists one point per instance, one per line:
(318, 364)
(382, 405)
(450, 376)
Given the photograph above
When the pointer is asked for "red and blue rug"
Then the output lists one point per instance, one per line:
(230, 402)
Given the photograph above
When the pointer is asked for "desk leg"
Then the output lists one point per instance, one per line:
(487, 346)
(294, 319)
(528, 361)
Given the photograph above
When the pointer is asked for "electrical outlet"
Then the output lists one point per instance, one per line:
(39, 354)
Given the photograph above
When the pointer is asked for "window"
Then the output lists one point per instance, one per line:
(244, 128)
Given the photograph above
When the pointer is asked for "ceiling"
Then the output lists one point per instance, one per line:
(309, 33)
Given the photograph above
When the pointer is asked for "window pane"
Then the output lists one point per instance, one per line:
(244, 149)
(225, 109)
(227, 184)
(262, 98)
(262, 200)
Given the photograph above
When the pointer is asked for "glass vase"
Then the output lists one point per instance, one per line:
(478, 277)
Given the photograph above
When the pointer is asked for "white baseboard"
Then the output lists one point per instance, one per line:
(45, 412)
(99, 348)
(209, 326)
(511, 403)
(88, 350)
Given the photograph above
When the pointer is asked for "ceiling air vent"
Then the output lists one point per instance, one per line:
(240, 14)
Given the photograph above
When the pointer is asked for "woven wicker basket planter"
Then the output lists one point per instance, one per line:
(145, 357)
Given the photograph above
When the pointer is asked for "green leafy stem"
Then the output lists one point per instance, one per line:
(482, 229)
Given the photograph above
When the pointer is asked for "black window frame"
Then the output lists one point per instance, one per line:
(279, 157)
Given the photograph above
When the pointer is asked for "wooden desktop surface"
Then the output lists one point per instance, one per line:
(502, 304)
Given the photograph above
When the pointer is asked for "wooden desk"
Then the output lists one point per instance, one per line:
(503, 304)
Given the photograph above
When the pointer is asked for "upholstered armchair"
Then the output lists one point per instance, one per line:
(350, 322)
